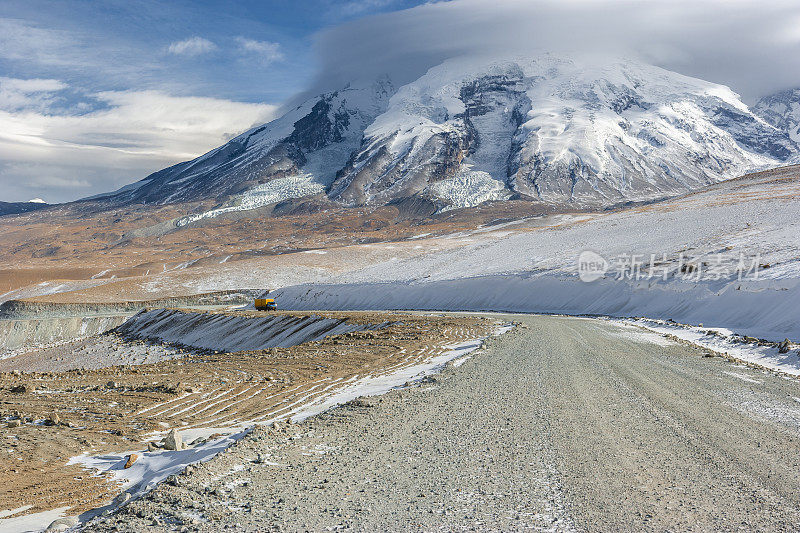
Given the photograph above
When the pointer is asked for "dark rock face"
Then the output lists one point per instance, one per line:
(782, 110)
(15, 208)
(321, 127)
(749, 133)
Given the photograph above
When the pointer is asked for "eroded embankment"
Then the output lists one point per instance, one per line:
(15, 309)
(233, 333)
(32, 333)
(30, 324)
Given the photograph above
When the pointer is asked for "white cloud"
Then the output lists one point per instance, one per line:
(22, 41)
(358, 7)
(264, 51)
(135, 133)
(193, 46)
(17, 94)
(751, 45)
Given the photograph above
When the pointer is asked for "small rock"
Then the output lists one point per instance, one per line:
(15, 423)
(173, 441)
(54, 419)
(783, 347)
(132, 458)
(61, 524)
(19, 389)
(122, 498)
(152, 447)
(112, 385)
(197, 441)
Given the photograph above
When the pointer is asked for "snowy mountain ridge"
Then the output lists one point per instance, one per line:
(782, 110)
(552, 129)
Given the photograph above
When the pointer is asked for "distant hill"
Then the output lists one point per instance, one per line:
(13, 208)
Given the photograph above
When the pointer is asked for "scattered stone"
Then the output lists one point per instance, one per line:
(132, 458)
(62, 524)
(15, 423)
(152, 447)
(122, 498)
(783, 347)
(173, 441)
(19, 389)
(198, 441)
(112, 385)
(54, 420)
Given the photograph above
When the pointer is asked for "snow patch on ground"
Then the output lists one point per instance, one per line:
(724, 341)
(151, 467)
(375, 385)
(33, 522)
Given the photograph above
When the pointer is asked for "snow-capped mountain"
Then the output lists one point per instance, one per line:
(554, 129)
(782, 110)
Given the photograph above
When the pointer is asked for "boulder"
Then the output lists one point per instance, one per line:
(62, 524)
(132, 458)
(173, 441)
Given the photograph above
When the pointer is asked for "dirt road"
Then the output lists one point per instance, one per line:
(561, 424)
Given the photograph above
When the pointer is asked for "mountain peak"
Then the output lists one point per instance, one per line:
(552, 128)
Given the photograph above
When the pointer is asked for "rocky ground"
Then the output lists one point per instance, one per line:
(107, 393)
(561, 424)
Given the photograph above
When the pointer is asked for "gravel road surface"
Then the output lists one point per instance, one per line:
(561, 424)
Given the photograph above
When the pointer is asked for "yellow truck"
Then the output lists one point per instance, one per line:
(266, 304)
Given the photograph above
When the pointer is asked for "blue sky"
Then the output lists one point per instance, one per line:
(94, 95)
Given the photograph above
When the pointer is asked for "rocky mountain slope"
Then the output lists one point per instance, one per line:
(554, 129)
(782, 110)
(13, 208)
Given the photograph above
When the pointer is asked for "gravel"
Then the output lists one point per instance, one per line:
(558, 425)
